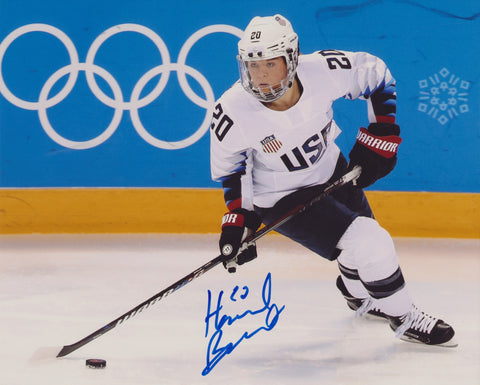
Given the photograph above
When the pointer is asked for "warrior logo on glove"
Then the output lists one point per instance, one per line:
(386, 146)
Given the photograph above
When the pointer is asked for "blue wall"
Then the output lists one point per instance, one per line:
(430, 46)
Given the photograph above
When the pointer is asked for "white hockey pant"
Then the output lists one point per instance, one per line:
(369, 266)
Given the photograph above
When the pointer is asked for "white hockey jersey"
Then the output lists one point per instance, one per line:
(261, 155)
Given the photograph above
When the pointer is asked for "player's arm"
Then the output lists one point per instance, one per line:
(229, 156)
(361, 75)
(371, 80)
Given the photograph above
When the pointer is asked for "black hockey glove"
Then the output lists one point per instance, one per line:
(375, 151)
(236, 226)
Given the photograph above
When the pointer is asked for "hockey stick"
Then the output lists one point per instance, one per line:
(67, 349)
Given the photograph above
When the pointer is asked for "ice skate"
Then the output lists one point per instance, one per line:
(417, 326)
(358, 303)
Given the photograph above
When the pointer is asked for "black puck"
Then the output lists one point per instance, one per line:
(96, 363)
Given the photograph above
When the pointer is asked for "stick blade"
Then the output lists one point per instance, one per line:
(67, 349)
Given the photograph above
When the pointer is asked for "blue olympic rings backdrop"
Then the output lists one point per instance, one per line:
(120, 93)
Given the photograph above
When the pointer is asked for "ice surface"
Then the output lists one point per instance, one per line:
(57, 289)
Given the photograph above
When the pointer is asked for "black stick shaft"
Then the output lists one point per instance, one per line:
(67, 349)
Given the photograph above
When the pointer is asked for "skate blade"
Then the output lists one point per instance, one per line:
(452, 343)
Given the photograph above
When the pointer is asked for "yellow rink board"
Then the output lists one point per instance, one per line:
(151, 210)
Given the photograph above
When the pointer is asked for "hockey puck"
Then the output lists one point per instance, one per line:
(96, 363)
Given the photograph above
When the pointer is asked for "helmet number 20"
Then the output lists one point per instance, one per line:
(255, 35)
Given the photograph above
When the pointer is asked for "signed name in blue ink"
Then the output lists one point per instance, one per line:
(216, 323)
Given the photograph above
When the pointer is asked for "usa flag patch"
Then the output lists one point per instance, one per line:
(271, 144)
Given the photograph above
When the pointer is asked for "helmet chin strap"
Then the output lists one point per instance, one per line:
(276, 91)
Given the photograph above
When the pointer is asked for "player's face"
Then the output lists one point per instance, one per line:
(266, 73)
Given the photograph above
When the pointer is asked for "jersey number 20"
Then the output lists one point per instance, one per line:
(223, 125)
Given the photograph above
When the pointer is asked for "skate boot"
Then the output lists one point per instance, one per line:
(359, 303)
(417, 326)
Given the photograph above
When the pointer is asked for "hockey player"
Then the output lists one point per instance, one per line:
(273, 147)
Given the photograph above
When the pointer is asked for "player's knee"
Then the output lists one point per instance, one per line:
(369, 244)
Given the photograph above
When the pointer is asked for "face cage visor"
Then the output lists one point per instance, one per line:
(275, 91)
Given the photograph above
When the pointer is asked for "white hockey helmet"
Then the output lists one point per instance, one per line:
(268, 38)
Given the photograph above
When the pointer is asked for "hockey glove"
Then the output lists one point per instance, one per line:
(375, 151)
(236, 226)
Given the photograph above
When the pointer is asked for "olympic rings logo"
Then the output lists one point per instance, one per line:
(117, 102)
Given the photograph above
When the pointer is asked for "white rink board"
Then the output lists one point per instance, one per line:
(57, 289)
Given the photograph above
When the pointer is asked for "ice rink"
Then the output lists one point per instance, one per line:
(57, 289)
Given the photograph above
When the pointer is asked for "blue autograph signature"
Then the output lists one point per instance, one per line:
(215, 352)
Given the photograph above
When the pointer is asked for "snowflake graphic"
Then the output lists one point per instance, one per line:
(443, 96)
